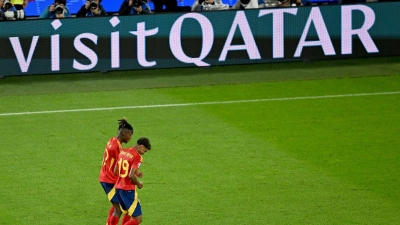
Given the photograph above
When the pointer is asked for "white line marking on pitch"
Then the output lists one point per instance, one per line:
(199, 103)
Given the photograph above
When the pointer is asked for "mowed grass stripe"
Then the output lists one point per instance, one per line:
(200, 103)
(246, 180)
(318, 161)
(263, 185)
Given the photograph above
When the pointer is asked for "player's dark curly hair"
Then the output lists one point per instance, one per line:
(145, 142)
(123, 123)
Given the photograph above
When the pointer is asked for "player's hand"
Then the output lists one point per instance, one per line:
(140, 185)
(139, 9)
(52, 8)
(139, 174)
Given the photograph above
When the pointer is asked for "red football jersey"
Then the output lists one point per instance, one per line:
(127, 159)
(113, 148)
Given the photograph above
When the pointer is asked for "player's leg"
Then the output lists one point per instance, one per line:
(110, 192)
(126, 218)
(110, 212)
(136, 213)
(131, 207)
(135, 220)
(119, 207)
(114, 219)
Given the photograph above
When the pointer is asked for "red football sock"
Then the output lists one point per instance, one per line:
(110, 212)
(114, 220)
(131, 222)
(125, 219)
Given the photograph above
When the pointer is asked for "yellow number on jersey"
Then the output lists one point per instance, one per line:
(125, 168)
(105, 157)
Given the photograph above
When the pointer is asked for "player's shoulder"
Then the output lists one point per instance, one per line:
(113, 140)
(133, 151)
(130, 150)
(113, 143)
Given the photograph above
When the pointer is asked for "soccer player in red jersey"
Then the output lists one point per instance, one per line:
(107, 178)
(128, 163)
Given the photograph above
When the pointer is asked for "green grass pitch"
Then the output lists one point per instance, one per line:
(287, 143)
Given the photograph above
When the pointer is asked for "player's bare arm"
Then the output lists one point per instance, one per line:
(133, 177)
(115, 170)
(139, 174)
